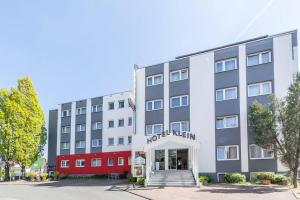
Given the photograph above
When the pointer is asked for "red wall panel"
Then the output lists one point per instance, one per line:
(88, 169)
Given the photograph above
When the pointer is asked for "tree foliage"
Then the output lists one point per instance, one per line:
(277, 126)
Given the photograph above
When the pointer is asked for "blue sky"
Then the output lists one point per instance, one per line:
(74, 49)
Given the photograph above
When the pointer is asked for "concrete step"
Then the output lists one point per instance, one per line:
(183, 178)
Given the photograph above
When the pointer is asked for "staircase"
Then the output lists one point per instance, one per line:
(183, 178)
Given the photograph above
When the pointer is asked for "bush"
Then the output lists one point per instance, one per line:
(44, 176)
(234, 178)
(99, 176)
(141, 181)
(31, 176)
(279, 179)
(264, 175)
(131, 179)
(204, 179)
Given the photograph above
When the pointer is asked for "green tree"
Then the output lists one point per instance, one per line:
(277, 126)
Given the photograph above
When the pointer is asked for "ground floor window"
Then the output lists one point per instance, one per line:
(120, 161)
(110, 162)
(65, 164)
(80, 163)
(227, 153)
(257, 152)
(96, 162)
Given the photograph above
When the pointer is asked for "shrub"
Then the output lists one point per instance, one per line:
(141, 181)
(204, 179)
(99, 176)
(44, 176)
(279, 179)
(264, 175)
(131, 179)
(31, 176)
(234, 178)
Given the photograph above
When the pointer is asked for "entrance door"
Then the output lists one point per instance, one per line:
(172, 158)
(182, 159)
(160, 159)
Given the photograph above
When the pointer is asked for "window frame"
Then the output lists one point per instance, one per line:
(76, 163)
(224, 93)
(68, 111)
(224, 122)
(152, 80)
(180, 74)
(97, 126)
(259, 57)
(64, 128)
(80, 125)
(80, 142)
(122, 119)
(112, 159)
(121, 101)
(121, 137)
(111, 103)
(226, 150)
(129, 139)
(180, 101)
(260, 88)
(98, 143)
(152, 106)
(180, 125)
(113, 139)
(65, 165)
(99, 162)
(79, 111)
(152, 128)
(130, 121)
(123, 161)
(224, 66)
(262, 153)
(99, 108)
(62, 146)
(113, 123)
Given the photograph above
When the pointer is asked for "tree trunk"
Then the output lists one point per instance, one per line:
(23, 172)
(6, 175)
(295, 181)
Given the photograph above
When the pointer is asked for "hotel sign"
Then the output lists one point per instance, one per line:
(166, 133)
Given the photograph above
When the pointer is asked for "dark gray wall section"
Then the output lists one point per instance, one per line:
(154, 69)
(260, 73)
(294, 38)
(97, 101)
(96, 117)
(179, 114)
(81, 103)
(66, 106)
(154, 117)
(154, 92)
(96, 134)
(223, 54)
(230, 136)
(80, 119)
(179, 88)
(52, 137)
(179, 64)
(65, 137)
(65, 121)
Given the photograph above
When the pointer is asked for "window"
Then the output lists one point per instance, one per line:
(64, 164)
(129, 121)
(120, 141)
(226, 94)
(179, 75)
(66, 113)
(96, 162)
(96, 143)
(226, 65)
(257, 152)
(227, 122)
(65, 145)
(121, 122)
(111, 141)
(129, 139)
(80, 163)
(179, 101)
(111, 123)
(80, 144)
(120, 161)
(121, 104)
(180, 126)
(154, 105)
(259, 58)
(154, 129)
(154, 80)
(65, 129)
(80, 127)
(110, 162)
(111, 106)
(80, 111)
(227, 153)
(96, 108)
(259, 89)
(97, 125)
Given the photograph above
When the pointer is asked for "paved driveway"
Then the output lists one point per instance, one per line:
(218, 192)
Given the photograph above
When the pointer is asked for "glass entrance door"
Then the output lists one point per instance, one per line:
(172, 158)
(160, 159)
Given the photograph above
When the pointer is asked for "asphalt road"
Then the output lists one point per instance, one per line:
(66, 190)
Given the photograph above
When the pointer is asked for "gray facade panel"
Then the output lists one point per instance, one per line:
(66, 106)
(263, 165)
(223, 54)
(227, 107)
(294, 39)
(154, 117)
(154, 92)
(179, 64)
(52, 137)
(228, 166)
(154, 69)
(79, 151)
(80, 119)
(257, 46)
(227, 79)
(81, 103)
(96, 149)
(260, 73)
(80, 136)
(97, 117)
(65, 152)
(97, 101)
(179, 114)
(228, 136)
(179, 88)
(66, 121)
(65, 137)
